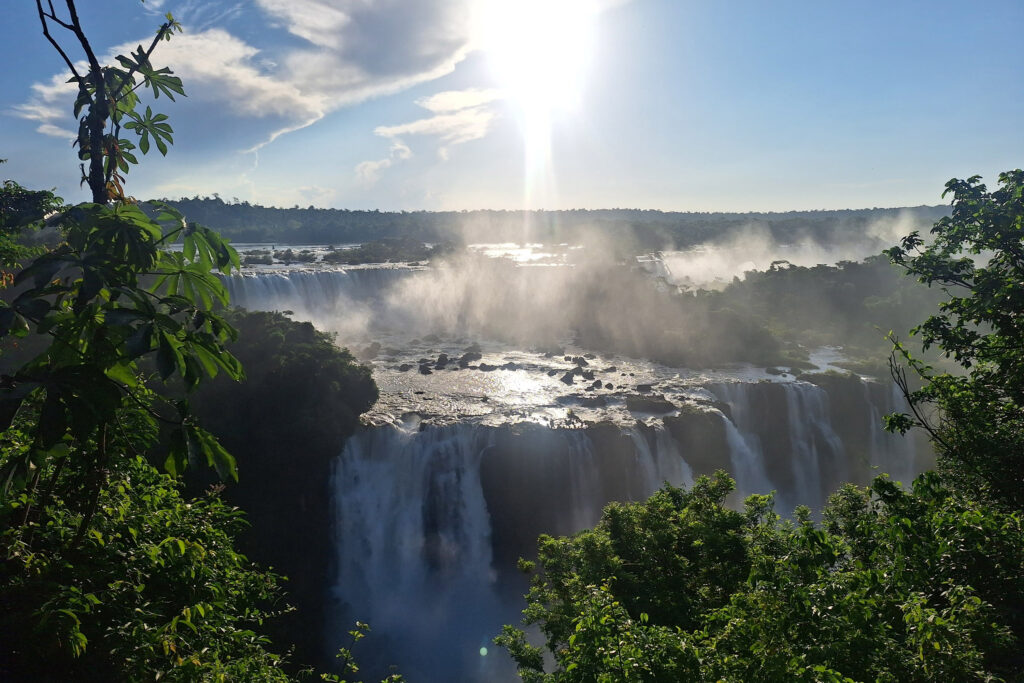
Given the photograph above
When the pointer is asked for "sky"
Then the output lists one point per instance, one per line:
(681, 105)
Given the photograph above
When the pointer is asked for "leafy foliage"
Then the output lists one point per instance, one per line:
(976, 258)
(21, 211)
(108, 101)
(107, 572)
(154, 590)
(894, 586)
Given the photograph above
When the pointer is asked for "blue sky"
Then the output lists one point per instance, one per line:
(737, 105)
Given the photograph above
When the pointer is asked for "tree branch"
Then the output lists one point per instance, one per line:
(56, 45)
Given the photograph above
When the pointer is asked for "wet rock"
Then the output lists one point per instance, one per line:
(425, 370)
(568, 377)
(611, 368)
(588, 375)
(424, 361)
(589, 356)
(580, 361)
(442, 360)
(510, 366)
(404, 367)
(487, 367)
(593, 402)
(649, 404)
(644, 388)
(596, 384)
(473, 348)
(609, 385)
(568, 359)
(552, 373)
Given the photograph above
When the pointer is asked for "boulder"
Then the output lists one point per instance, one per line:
(649, 404)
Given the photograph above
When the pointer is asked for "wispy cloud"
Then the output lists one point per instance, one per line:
(352, 51)
(50, 106)
(459, 117)
(368, 172)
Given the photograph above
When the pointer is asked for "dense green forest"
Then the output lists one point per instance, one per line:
(629, 229)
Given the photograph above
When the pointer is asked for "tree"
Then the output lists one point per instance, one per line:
(111, 295)
(894, 585)
(975, 416)
(106, 568)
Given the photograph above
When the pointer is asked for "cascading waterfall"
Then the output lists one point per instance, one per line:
(745, 452)
(414, 539)
(661, 463)
(782, 438)
(346, 300)
(414, 549)
(817, 452)
(890, 453)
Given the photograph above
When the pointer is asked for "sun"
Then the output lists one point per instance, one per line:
(539, 53)
(539, 50)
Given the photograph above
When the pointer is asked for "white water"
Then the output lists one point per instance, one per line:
(413, 538)
(414, 549)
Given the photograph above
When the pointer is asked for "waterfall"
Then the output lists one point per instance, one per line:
(744, 441)
(414, 529)
(658, 464)
(891, 453)
(414, 551)
(337, 300)
(818, 461)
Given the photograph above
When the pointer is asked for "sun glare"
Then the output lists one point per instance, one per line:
(539, 52)
(539, 49)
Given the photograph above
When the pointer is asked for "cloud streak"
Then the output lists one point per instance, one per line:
(459, 116)
(350, 51)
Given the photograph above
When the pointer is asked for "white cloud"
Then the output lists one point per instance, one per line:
(459, 117)
(368, 172)
(50, 105)
(454, 100)
(355, 50)
(316, 21)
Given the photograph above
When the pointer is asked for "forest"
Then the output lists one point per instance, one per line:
(629, 228)
(146, 532)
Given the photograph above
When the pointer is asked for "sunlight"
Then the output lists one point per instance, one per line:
(539, 51)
